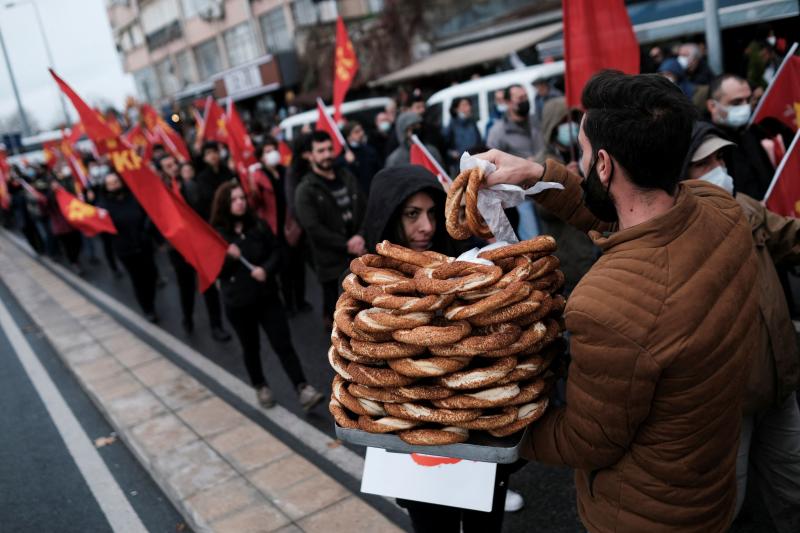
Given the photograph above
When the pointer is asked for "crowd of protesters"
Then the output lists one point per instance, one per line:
(324, 210)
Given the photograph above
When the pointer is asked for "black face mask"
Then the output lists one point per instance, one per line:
(523, 108)
(596, 198)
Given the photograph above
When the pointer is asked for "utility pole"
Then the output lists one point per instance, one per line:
(713, 39)
(26, 129)
(50, 63)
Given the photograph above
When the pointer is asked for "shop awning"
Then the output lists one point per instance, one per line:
(471, 54)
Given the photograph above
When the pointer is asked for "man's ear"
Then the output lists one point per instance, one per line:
(604, 166)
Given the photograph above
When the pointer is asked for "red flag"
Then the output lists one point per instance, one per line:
(325, 123)
(192, 237)
(167, 136)
(596, 37)
(240, 146)
(346, 66)
(783, 196)
(262, 197)
(50, 154)
(137, 137)
(75, 164)
(286, 153)
(86, 218)
(419, 155)
(75, 133)
(199, 126)
(5, 197)
(782, 99)
(215, 126)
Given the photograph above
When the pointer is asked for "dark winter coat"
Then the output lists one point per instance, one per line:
(321, 219)
(259, 246)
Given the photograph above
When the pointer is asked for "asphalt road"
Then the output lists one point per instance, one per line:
(45, 480)
(548, 491)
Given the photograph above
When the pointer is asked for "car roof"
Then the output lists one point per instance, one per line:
(500, 80)
(347, 107)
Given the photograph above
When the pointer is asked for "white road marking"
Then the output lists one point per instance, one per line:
(106, 491)
(344, 458)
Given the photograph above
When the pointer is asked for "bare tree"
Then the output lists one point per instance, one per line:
(12, 123)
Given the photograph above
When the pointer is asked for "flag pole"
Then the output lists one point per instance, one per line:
(781, 165)
(763, 98)
(445, 178)
(335, 128)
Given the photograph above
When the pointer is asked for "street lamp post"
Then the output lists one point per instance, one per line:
(26, 129)
(50, 61)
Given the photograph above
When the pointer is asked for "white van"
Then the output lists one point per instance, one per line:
(481, 92)
(363, 111)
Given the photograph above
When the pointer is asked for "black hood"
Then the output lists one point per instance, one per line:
(390, 188)
(700, 131)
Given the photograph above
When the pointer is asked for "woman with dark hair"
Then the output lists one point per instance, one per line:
(250, 293)
(406, 207)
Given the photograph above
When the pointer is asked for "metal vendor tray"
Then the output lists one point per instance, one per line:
(479, 447)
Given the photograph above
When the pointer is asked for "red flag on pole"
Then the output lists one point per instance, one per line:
(596, 38)
(783, 195)
(240, 146)
(50, 154)
(137, 137)
(286, 153)
(325, 123)
(75, 133)
(74, 162)
(170, 138)
(345, 68)
(214, 123)
(782, 98)
(419, 155)
(86, 218)
(192, 237)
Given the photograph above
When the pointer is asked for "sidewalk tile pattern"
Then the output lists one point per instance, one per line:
(223, 472)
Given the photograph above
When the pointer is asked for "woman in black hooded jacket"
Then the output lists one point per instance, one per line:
(250, 292)
(406, 207)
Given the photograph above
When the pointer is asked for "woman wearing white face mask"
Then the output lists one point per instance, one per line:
(770, 439)
(560, 128)
(268, 193)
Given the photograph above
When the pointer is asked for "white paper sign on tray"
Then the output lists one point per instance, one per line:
(425, 478)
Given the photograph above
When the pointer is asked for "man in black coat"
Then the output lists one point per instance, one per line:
(211, 175)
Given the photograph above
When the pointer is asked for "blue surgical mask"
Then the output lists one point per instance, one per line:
(719, 176)
(738, 115)
(567, 134)
(384, 126)
(501, 108)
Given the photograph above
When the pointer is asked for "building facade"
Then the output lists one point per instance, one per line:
(240, 49)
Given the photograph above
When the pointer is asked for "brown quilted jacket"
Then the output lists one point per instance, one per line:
(662, 327)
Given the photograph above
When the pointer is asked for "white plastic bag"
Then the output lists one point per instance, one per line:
(492, 200)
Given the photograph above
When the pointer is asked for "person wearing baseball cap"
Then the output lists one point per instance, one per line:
(770, 438)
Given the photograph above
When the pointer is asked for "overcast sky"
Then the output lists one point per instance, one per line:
(83, 51)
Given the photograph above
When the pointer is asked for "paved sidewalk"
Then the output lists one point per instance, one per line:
(222, 471)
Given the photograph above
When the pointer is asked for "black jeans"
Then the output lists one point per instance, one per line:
(433, 518)
(108, 251)
(293, 277)
(330, 293)
(272, 318)
(186, 277)
(142, 269)
(71, 244)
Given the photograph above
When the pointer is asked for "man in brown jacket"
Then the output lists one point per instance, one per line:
(770, 443)
(662, 326)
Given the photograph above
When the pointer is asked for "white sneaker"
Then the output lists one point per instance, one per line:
(308, 396)
(514, 501)
(265, 398)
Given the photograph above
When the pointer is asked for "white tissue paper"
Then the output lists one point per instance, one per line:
(492, 200)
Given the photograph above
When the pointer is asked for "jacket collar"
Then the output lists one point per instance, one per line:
(656, 232)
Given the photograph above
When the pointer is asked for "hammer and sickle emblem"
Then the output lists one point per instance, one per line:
(79, 210)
